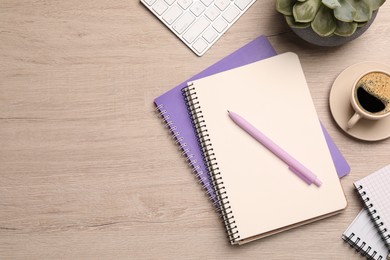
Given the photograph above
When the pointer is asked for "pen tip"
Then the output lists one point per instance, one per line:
(317, 182)
(228, 111)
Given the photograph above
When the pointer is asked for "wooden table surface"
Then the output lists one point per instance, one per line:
(87, 170)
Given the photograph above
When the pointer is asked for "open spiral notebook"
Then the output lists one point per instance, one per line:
(258, 194)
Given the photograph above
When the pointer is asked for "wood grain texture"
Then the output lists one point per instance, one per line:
(87, 170)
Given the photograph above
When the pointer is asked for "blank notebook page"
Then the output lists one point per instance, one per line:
(375, 192)
(263, 193)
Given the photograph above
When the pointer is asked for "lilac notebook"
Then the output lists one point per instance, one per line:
(173, 109)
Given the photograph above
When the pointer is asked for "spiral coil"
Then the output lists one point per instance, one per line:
(367, 252)
(185, 151)
(385, 234)
(200, 127)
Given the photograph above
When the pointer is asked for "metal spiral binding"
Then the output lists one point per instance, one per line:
(186, 152)
(354, 243)
(200, 127)
(374, 216)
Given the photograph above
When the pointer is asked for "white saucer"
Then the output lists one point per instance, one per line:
(341, 108)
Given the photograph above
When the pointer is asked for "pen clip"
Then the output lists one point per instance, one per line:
(303, 177)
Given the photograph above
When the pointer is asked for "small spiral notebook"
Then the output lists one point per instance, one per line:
(363, 236)
(173, 110)
(374, 190)
(258, 195)
(369, 232)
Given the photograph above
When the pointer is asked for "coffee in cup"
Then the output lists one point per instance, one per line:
(370, 97)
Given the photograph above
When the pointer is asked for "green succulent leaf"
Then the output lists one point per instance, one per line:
(345, 29)
(345, 12)
(285, 6)
(332, 4)
(363, 10)
(324, 23)
(305, 12)
(361, 24)
(292, 23)
(302, 0)
(375, 4)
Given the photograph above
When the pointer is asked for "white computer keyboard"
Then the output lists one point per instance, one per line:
(198, 23)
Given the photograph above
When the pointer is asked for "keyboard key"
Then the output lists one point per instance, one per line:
(200, 45)
(184, 21)
(198, 23)
(220, 25)
(172, 14)
(231, 13)
(149, 2)
(212, 13)
(196, 29)
(207, 2)
(222, 4)
(160, 7)
(242, 4)
(184, 3)
(210, 35)
(197, 8)
(170, 2)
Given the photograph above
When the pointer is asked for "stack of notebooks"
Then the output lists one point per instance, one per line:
(369, 233)
(255, 192)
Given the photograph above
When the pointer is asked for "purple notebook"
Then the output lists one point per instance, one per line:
(173, 109)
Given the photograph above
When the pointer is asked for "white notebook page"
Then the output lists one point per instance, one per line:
(264, 194)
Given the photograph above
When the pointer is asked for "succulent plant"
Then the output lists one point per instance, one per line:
(328, 17)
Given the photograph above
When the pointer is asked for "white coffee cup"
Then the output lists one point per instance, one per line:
(365, 107)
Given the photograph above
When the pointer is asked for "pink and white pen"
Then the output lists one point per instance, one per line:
(296, 167)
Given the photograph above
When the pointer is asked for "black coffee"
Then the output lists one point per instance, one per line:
(373, 93)
(369, 102)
